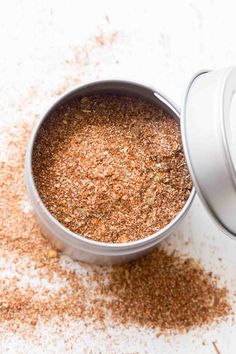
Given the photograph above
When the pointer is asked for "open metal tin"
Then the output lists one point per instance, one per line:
(77, 246)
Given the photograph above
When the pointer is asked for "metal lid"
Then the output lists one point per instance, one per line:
(208, 126)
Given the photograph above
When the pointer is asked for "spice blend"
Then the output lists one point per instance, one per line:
(46, 290)
(165, 291)
(111, 168)
(161, 291)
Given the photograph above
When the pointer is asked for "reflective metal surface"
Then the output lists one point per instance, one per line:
(73, 244)
(205, 133)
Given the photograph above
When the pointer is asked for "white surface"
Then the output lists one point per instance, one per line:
(159, 42)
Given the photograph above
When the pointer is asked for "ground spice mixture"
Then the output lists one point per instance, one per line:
(166, 290)
(159, 291)
(111, 168)
(38, 284)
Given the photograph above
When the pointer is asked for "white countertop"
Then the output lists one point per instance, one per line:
(162, 43)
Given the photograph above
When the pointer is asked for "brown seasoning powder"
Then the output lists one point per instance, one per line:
(166, 290)
(161, 291)
(111, 168)
(157, 278)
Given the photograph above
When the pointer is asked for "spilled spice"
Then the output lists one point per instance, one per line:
(27, 251)
(38, 284)
(103, 39)
(111, 168)
(165, 291)
(161, 291)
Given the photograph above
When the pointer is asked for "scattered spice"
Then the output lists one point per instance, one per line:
(36, 289)
(103, 39)
(20, 234)
(111, 168)
(161, 291)
(165, 291)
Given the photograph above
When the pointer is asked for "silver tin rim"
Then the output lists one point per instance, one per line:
(95, 246)
(189, 160)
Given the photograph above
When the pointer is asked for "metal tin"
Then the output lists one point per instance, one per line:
(206, 135)
(73, 244)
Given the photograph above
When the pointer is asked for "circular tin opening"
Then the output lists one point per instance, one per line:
(116, 87)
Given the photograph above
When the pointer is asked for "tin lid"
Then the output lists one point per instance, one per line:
(208, 127)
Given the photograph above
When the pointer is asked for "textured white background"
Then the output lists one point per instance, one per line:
(159, 42)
